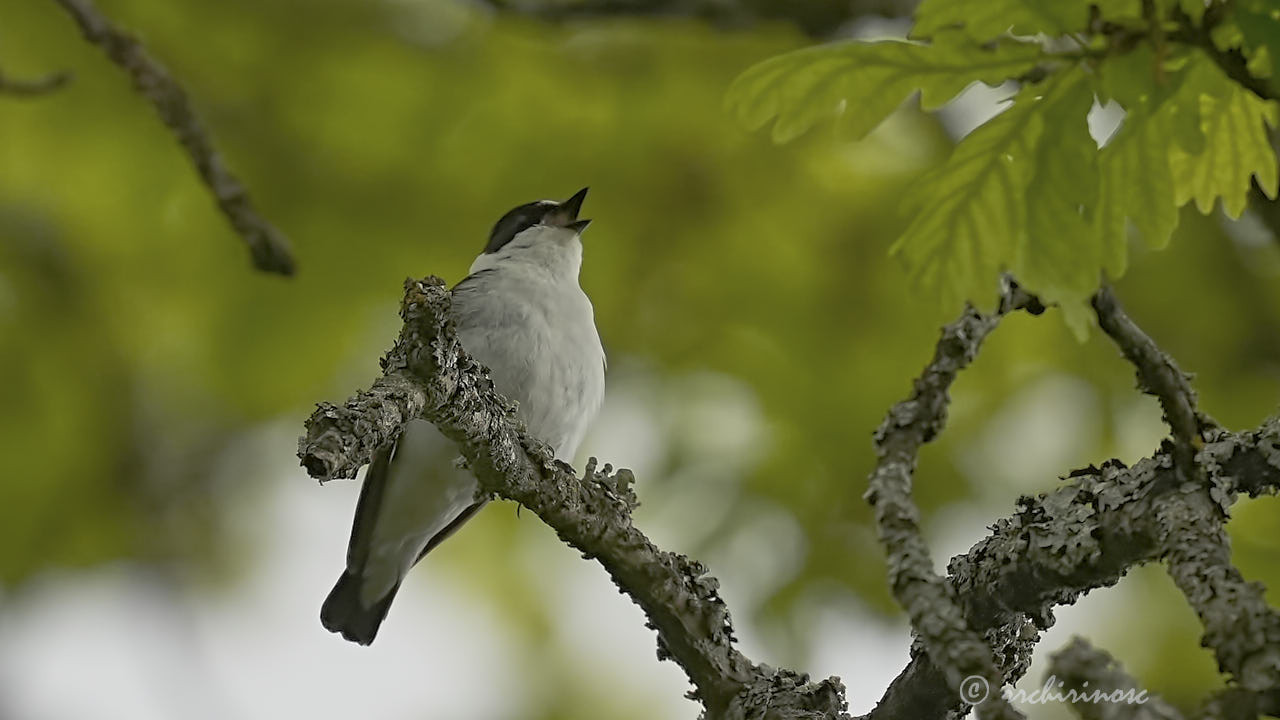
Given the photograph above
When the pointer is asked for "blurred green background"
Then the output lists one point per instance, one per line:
(160, 550)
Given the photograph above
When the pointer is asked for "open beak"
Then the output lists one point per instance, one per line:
(566, 215)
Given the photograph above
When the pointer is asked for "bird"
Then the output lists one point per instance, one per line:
(522, 313)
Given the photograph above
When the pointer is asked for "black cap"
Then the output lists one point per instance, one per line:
(542, 212)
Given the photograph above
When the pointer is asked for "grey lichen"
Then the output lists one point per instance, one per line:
(935, 612)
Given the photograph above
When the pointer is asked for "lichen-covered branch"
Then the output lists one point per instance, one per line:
(1060, 545)
(986, 615)
(1242, 630)
(1239, 626)
(1088, 534)
(267, 246)
(32, 87)
(428, 374)
(930, 602)
(1158, 375)
(1099, 689)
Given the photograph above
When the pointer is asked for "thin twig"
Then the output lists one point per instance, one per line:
(267, 245)
(930, 602)
(21, 87)
(1158, 375)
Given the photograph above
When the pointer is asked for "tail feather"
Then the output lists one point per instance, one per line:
(343, 613)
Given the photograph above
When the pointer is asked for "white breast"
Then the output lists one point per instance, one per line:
(524, 316)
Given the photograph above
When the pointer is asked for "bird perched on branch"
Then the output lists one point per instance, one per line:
(523, 315)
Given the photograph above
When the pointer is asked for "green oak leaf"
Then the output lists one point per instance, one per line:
(1259, 22)
(1059, 254)
(971, 213)
(1135, 177)
(867, 81)
(1135, 184)
(993, 18)
(1236, 148)
(1118, 9)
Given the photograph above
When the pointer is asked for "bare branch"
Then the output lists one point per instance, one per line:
(267, 246)
(1092, 673)
(428, 374)
(1158, 375)
(20, 87)
(935, 613)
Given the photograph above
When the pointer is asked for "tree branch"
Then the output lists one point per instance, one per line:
(1053, 549)
(267, 246)
(1242, 630)
(1158, 375)
(428, 373)
(20, 87)
(1062, 544)
(935, 613)
(1088, 534)
(1086, 670)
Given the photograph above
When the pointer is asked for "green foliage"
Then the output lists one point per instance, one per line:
(800, 88)
(1030, 192)
(153, 385)
(1236, 149)
(1135, 178)
(986, 20)
(978, 198)
(1259, 25)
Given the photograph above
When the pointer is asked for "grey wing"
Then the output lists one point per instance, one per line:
(411, 500)
(393, 469)
(375, 479)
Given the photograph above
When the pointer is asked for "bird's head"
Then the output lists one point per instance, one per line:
(532, 224)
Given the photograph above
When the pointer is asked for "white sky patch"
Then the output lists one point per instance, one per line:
(108, 644)
(1105, 121)
(973, 107)
(1045, 429)
(857, 645)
